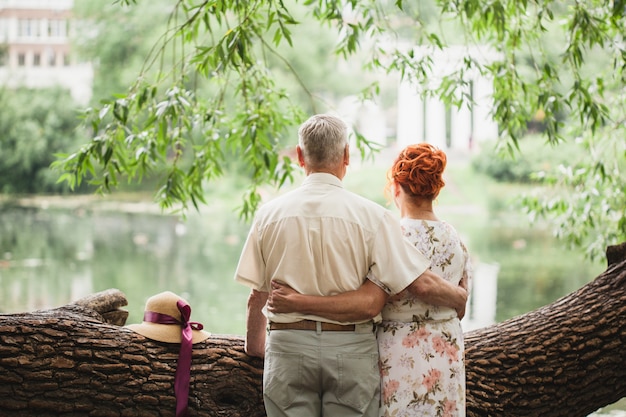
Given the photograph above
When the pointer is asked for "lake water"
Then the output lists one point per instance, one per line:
(51, 256)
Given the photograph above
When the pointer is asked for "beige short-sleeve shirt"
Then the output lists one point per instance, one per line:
(322, 239)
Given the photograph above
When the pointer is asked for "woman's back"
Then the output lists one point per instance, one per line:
(449, 258)
(421, 346)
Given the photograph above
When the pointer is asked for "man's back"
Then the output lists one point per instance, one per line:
(321, 239)
(318, 237)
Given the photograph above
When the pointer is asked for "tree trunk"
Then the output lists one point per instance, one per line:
(565, 359)
(71, 361)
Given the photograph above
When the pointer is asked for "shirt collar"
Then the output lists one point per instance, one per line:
(322, 178)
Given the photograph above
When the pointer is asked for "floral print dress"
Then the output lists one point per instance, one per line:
(421, 345)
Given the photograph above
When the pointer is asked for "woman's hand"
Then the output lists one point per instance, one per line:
(282, 298)
(352, 306)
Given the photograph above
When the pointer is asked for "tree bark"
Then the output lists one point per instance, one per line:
(564, 359)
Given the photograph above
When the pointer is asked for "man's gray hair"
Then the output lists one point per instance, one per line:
(323, 139)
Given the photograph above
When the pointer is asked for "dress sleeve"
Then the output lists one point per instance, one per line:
(468, 272)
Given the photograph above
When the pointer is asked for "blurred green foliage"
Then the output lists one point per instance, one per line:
(534, 156)
(34, 126)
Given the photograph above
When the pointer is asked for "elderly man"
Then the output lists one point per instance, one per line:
(321, 239)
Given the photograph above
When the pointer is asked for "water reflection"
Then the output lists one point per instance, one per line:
(51, 257)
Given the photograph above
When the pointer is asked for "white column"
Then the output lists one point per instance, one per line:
(483, 297)
(410, 116)
(485, 128)
(435, 132)
(461, 128)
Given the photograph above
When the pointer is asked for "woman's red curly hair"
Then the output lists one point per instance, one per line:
(418, 169)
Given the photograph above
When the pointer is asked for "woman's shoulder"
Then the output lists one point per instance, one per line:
(448, 227)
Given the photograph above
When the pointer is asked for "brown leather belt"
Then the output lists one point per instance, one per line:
(312, 325)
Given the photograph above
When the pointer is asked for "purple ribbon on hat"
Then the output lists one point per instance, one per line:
(183, 367)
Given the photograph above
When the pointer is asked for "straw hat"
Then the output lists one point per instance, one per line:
(165, 303)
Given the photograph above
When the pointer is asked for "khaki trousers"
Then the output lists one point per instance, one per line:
(312, 373)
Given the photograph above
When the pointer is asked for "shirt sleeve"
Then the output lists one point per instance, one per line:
(251, 267)
(370, 276)
(396, 263)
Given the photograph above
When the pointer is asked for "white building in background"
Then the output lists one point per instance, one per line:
(35, 48)
(430, 120)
